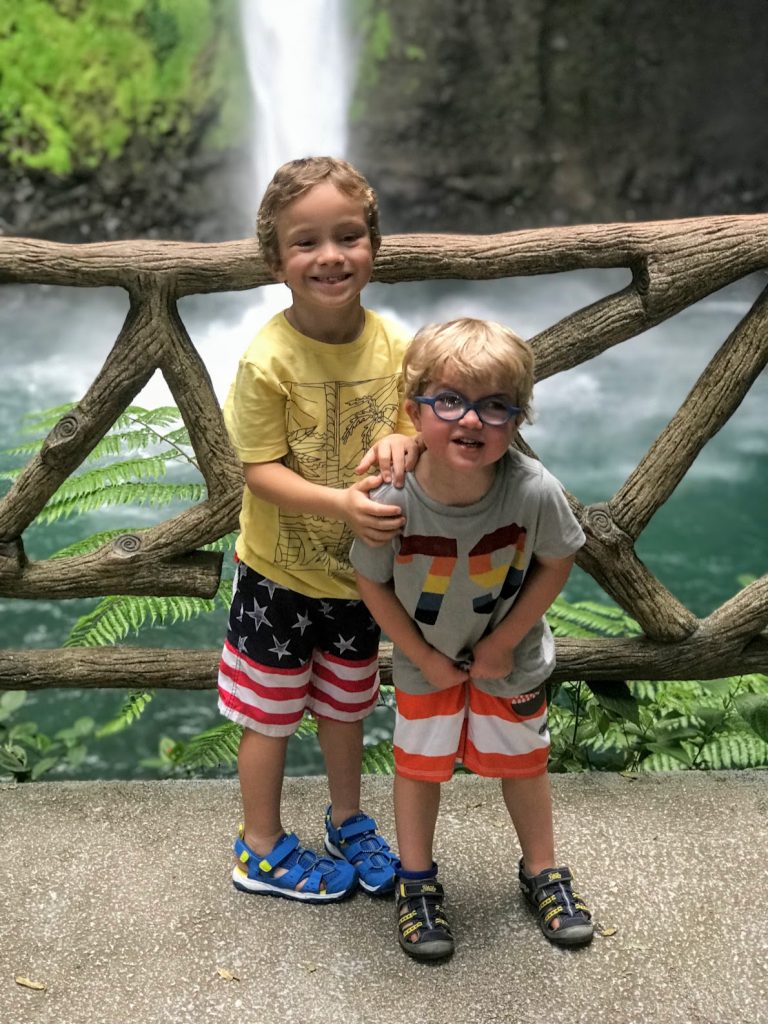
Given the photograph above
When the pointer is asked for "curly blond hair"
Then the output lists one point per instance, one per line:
(483, 352)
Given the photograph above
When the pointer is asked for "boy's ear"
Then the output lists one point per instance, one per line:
(414, 411)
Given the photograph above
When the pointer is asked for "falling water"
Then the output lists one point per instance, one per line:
(298, 63)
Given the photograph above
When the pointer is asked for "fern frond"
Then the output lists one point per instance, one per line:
(46, 419)
(379, 759)
(661, 762)
(114, 617)
(733, 751)
(153, 494)
(162, 416)
(225, 543)
(132, 708)
(307, 727)
(114, 473)
(28, 448)
(588, 618)
(209, 749)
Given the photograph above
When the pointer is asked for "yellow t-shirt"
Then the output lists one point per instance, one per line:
(318, 408)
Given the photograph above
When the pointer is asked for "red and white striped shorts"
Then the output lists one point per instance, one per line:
(286, 653)
(498, 737)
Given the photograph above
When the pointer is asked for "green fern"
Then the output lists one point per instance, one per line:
(216, 746)
(589, 619)
(115, 617)
(132, 708)
(379, 759)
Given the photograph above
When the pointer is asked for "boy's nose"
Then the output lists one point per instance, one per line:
(471, 419)
(330, 253)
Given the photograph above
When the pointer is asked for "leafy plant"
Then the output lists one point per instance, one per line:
(145, 459)
(26, 754)
(652, 726)
(80, 79)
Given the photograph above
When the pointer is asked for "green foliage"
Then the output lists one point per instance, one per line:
(26, 754)
(78, 80)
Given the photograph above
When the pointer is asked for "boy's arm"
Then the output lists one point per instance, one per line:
(494, 654)
(381, 601)
(395, 455)
(279, 485)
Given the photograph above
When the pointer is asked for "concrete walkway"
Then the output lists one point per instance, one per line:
(117, 897)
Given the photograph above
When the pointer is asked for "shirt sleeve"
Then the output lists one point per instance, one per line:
(254, 414)
(558, 533)
(374, 563)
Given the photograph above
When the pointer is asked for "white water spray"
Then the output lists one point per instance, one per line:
(298, 63)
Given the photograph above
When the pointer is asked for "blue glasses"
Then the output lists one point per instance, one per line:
(451, 406)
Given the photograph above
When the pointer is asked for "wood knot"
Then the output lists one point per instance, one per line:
(65, 431)
(600, 521)
(127, 544)
(641, 278)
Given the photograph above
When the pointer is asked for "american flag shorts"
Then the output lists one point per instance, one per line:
(286, 653)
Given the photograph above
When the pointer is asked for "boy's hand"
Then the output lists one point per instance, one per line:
(374, 523)
(490, 660)
(394, 455)
(440, 671)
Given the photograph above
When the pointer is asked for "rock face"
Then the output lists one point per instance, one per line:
(178, 192)
(488, 115)
(484, 116)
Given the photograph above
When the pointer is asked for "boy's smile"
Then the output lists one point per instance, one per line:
(326, 258)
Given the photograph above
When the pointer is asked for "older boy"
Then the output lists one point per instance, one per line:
(320, 385)
(488, 543)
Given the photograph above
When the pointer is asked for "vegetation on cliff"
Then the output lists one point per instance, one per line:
(79, 80)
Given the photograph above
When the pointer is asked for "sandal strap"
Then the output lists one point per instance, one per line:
(300, 865)
(358, 827)
(553, 896)
(419, 908)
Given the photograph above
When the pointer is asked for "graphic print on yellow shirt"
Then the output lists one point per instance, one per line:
(318, 408)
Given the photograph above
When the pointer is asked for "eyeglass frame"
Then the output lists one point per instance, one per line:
(512, 410)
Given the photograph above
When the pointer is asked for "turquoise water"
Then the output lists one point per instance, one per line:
(593, 425)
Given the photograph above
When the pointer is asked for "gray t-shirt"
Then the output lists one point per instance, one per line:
(458, 569)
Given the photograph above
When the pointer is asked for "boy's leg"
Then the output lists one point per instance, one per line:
(416, 806)
(344, 689)
(342, 747)
(264, 680)
(529, 802)
(260, 767)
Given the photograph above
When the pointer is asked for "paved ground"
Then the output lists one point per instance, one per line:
(117, 897)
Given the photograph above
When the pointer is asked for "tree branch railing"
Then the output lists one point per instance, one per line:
(673, 265)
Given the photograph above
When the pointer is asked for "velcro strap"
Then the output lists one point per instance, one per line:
(357, 828)
(420, 887)
(282, 849)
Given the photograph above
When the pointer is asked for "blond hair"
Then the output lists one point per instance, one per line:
(481, 352)
(295, 178)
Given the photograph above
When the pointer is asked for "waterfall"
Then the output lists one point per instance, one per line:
(298, 64)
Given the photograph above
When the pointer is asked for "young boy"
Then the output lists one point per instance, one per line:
(320, 385)
(488, 543)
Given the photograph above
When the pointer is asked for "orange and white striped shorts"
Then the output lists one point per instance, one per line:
(498, 737)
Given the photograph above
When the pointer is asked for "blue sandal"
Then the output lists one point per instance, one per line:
(357, 842)
(325, 880)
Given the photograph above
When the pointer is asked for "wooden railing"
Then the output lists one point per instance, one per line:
(673, 264)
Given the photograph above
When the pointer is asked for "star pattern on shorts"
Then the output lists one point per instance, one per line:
(242, 645)
(271, 586)
(259, 616)
(327, 609)
(345, 645)
(280, 649)
(301, 623)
